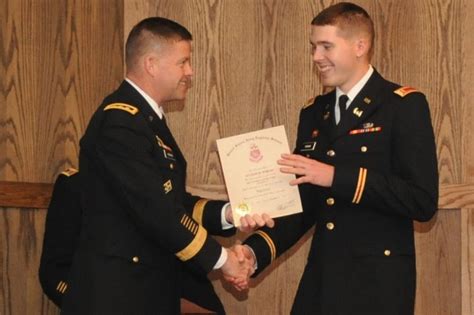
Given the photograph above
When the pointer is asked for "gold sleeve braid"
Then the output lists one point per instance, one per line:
(269, 242)
(198, 210)
(195, 246)
(360, 185)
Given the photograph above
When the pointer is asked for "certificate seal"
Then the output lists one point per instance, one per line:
(243, 209)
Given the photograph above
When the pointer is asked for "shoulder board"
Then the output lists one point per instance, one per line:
(309, 102)
(69, 172)
(404, 91)
(122, 106)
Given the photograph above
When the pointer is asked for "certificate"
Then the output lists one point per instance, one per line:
(252, 176)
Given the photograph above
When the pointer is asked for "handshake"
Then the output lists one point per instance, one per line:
(240, 265)
(241, 261)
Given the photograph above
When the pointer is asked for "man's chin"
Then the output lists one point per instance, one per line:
(327, 82)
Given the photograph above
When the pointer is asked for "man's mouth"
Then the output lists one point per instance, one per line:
(324, 68)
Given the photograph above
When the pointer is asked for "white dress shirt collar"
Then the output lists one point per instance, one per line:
(356, 88)
(156, 108)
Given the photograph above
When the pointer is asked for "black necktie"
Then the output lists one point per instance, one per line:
(342, 105)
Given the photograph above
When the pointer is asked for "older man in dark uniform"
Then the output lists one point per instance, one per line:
(62, 231)
(365, 159)
(139, 224)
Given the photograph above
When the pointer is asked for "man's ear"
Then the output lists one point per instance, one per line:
(362, 46)
(150, 64)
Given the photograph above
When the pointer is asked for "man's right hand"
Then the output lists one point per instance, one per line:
(240, 265)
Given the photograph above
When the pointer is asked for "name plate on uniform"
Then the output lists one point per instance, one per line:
(252, 176)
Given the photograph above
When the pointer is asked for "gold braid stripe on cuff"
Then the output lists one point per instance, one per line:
(270, 243)
(198, 210)
(194, 247)
(360, 185)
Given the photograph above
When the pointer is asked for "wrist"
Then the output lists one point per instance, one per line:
(228, 214)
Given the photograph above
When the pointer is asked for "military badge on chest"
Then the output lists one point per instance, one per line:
(167, 151)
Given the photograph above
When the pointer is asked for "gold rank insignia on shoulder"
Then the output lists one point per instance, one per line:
(122, 106)
(367, 100)
(309, 102)
(69, 172)
(168, 186)
(404, 91)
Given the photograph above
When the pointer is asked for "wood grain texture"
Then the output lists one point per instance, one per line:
(25, 195)
(438, 262)
(467, 261)
(58, 60)
(467, 77)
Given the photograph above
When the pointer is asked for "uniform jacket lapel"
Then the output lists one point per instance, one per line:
(157, 126)
(365, 103)
(325, 116)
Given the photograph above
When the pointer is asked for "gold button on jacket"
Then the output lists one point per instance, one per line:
(330, 201)
(330, 226)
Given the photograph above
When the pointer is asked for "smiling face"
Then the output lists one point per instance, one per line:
(171, 71)
(342, 60)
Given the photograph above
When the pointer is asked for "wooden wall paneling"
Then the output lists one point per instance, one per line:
(438, 255)
(59, 59)
(466, 56)
(21, 239)
(467, 260)
(25, 195)
(3, 86)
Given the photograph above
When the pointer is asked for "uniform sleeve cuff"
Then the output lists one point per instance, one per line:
(350, 183)
(222, 259)
(225, 225)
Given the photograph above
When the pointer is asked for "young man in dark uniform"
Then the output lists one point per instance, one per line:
(366, 164)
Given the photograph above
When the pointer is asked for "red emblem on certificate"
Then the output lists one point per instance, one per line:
(255, 154)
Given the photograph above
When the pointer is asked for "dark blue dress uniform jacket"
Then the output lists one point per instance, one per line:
(362, 257)
(62, 231)
(139, 223)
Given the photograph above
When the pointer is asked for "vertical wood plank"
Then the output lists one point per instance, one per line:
(467, 260)
(438, 255)
(58, 60)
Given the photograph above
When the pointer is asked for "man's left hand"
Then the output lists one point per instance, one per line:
(250, 223)
(309, 170)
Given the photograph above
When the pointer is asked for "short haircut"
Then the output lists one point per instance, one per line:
(349, 18)
(149, 32)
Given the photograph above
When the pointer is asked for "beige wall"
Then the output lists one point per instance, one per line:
(252, 70)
